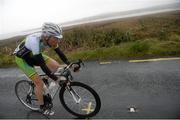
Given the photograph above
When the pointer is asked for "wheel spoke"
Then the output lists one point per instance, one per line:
(88, 106)
(23, 89)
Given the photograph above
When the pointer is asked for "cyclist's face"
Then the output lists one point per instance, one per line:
(53, 41)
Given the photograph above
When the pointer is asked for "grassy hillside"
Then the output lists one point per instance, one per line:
(155, 35)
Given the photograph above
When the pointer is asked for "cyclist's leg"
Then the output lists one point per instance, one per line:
(52, 64)
(39, 88)
(32, 74)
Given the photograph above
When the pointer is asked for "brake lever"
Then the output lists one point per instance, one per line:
(81, 62)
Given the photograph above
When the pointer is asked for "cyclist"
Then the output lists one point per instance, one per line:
(29, 54)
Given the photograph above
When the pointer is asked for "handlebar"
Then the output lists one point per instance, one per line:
(79, 63)
(66, 72)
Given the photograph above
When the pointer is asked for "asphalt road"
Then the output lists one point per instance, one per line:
(153, 88)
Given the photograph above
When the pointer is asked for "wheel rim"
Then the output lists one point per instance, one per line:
(26, 96)
(87, 104)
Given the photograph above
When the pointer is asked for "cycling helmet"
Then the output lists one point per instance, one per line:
(51, 29)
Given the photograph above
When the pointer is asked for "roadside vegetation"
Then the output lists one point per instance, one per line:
(140, 37)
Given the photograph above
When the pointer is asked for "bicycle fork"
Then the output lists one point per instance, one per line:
(74, 94)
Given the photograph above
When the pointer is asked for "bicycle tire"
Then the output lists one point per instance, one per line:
(20, 99)
(86, 87)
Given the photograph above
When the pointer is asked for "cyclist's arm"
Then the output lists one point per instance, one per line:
(62, 55)
(40, 61)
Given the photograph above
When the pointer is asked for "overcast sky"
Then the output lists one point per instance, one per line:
(18, 15)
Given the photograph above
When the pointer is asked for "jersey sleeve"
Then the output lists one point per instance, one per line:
(62, 55)
(33, 44)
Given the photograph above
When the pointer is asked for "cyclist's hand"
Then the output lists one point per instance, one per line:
(75, 67)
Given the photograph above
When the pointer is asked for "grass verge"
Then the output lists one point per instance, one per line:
(147, 48)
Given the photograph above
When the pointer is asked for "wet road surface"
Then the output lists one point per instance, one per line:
(152, 88)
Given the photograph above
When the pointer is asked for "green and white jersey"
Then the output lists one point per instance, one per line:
(34, 43)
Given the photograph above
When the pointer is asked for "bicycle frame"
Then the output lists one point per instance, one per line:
(65, 78)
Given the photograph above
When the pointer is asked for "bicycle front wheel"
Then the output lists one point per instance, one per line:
(25, 93)
(80, 100)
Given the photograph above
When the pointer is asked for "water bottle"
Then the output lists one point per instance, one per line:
(53, 87)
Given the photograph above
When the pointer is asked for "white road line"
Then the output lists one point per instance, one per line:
(104, 63)
(153, 60)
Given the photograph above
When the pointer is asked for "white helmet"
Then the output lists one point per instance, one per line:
(51, 29)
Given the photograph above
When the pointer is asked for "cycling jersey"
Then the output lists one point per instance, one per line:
(29, 54)
(33, 43)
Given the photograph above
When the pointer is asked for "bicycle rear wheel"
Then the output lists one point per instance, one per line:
(25, 93)
(80, 100)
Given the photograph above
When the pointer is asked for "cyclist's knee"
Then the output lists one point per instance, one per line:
(53, 65)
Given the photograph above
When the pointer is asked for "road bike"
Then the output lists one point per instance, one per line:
(77, 98)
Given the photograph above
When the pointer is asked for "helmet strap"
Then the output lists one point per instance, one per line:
(48, 40)
(45, 40)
